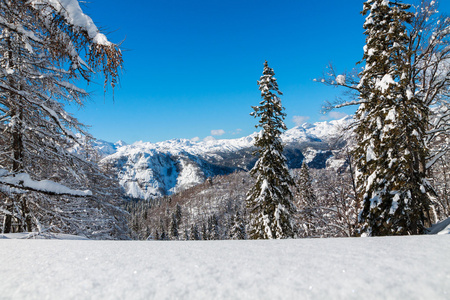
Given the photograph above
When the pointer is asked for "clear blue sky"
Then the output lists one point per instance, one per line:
(190, 67)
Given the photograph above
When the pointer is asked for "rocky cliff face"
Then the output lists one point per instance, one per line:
(148, 170)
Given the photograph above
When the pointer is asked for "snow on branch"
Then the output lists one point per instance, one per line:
(102, 54)
(19, 28)
(339, 103)
(50, 112)
(24, 182)
(72, 13)
(349, 80)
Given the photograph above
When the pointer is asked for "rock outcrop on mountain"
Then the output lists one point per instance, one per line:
(149, 170)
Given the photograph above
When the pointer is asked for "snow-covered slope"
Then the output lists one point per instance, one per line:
(320, 131)
(149, 170)
(106, 148)
(345, 268)
(103, 148)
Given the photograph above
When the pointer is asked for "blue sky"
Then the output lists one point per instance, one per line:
(190, 67)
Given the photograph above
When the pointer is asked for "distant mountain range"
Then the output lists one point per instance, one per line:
(148, 170)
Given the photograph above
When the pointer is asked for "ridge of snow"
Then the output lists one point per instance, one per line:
(177, 146)
(107, 148)
(316, 132)
(442, 227)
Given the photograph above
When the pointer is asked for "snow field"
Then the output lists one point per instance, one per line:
(415, 267)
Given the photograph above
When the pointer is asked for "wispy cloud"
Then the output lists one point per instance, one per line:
(218, 132)
(300, 120)
(333, 115)
(209, 139)
(237, 131)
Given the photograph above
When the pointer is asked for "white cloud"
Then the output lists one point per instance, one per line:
(218, 132)
(337, 115)
(299, 120)
(209, 139)
(195, 139)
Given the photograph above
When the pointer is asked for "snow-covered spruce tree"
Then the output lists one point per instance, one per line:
(205, 232)
(427, 57)
(41, 57)
(429, 79)
(213, 227)
(307, 200)
(237, 230)
(174, 227)
(194, 234)
(391, 152)
(306, 191)
(269, 201)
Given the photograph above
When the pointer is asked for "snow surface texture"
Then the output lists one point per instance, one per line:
(411, 267)
(148, 170)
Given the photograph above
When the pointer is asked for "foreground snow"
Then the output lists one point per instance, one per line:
(358, 268)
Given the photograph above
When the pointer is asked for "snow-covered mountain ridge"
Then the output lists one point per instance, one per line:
(148, 170)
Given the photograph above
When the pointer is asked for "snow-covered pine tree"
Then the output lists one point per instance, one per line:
(269, 201)
(205, 232)
(41, 57)
(162, 230)
(307, 200)
(237, 230)
(391, 153)
(178, 213)
(213, 226)
(174, 227)
(429, 78)
(195, 235)
(304, 184)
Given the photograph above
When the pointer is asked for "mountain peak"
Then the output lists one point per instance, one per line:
(148, 170)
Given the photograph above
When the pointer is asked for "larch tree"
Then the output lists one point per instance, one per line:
(269, 201)
(47, 47)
